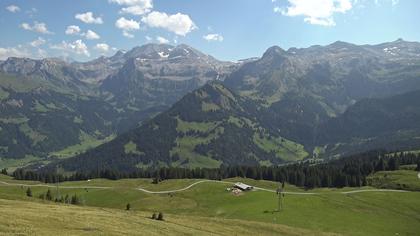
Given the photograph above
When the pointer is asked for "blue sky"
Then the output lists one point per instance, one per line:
(226, 29)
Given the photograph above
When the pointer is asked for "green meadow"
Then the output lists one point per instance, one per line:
(330, 211)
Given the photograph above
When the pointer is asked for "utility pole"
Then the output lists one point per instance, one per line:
(57, 181)
(280, 196)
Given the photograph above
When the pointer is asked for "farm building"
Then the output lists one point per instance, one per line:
(243, 187)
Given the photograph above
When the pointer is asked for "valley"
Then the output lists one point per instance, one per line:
(153, 117)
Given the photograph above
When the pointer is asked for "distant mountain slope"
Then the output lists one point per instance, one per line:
(43, 99)
(340, 72)
(392, 122)
(213, 126)
(263, 111)
(208, 127)
(35, 120)
(301, 89)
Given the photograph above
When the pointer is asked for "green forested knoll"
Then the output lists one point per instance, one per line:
(230, 133)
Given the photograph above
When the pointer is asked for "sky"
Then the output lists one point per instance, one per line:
(226, 29)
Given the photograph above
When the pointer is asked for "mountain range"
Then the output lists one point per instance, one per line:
(176, 106)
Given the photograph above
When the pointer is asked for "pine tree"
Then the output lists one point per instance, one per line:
(4, 171)
(380, 166)
(128, 207)
(393, 164)
(29, 192)
(154, 216)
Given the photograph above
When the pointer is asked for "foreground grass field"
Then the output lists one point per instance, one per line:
(32, 218)
(326, 210)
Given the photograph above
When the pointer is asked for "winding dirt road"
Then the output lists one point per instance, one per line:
(197, 183)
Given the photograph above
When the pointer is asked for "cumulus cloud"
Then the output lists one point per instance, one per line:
(18, 51)
(13, 8)
(88, 18)
(162, 40)
(77, 47)
(179, 24)
(38, 27)
(127, 25)
(91, 35)
(317, 12)
(131, 2)
(213, 37)
(38, 42)
(102, 47)
(73, 29)
(137, 7)
(136, 10)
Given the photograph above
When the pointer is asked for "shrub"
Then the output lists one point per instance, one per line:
(29, 192)
(160, 216)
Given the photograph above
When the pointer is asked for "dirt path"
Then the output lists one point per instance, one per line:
(53, 186)
(197, 183)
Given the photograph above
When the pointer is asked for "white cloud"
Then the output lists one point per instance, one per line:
(179, 24)
(137, 7)
(13, 8)
(128, 35)
(73, 29)
(38, 27)
(213, 37)
(132, 2)
(91, 35)
(102, 47)
(38, 42)
(127, 26)
(88, 18)
(135, 10)
(318, 12)
(148, 38)
(77, 47)
(162, 40)
(13, 52)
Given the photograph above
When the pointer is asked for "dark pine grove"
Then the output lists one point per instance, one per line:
(350, 171)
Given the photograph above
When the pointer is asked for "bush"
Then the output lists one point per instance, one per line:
(128, 207)
(48, 196)
(75, 200)
(160, 216)
(29, 192)
(154, 216)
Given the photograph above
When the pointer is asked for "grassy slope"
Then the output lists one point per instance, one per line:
(33, 218)
(401, 179)
(369, 213)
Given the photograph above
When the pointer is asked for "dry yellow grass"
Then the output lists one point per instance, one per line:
(34, 218)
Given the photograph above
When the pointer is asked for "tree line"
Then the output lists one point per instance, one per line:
(350, 171)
